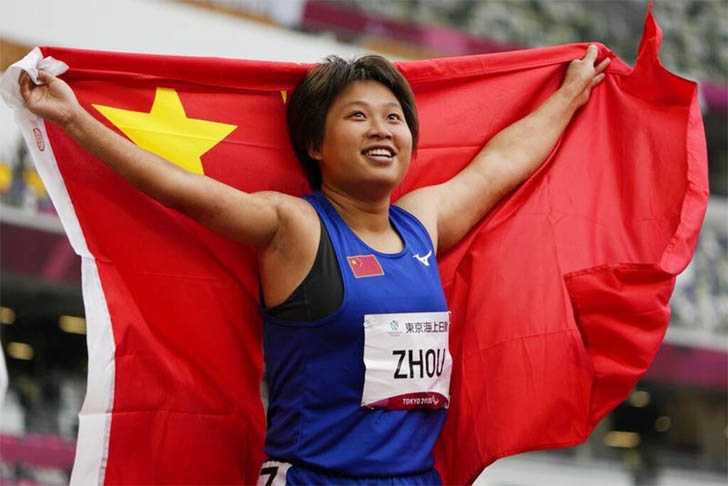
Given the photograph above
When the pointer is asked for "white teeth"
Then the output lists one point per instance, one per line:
(379, 152)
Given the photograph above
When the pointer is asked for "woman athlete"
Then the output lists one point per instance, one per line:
(355, 320)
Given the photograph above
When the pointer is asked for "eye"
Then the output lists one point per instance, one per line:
(359, 115)
(394, 117)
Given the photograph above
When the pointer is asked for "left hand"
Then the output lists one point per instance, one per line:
(582, 75)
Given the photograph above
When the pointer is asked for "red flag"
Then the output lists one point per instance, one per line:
(365, 266)
(559, 297)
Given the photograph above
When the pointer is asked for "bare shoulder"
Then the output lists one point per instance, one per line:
(298, 221)
(289, 209)
(423, 204)
(289, 256)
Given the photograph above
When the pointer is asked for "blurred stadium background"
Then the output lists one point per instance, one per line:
(670, 431)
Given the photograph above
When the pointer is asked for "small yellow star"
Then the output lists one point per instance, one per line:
(167, 132)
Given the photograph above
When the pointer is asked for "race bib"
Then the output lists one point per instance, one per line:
(273, 473)
(407, 360)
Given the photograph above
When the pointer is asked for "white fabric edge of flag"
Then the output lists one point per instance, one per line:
(95, 416)
(94, 419)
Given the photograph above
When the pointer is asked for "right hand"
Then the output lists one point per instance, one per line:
(53, 100)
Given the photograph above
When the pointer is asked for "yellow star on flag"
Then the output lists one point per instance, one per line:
(167, 132)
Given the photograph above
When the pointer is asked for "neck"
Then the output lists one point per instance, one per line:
(362, 215)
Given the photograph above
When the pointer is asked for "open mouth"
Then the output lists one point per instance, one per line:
(381, 154)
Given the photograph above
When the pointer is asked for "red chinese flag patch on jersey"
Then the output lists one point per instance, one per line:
(365, 266)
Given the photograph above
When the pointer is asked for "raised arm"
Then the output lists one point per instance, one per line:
(451, 209)
(248, 218)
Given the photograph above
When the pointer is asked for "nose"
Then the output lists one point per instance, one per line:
(379, 129)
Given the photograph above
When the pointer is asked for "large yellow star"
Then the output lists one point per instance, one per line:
(166, 130)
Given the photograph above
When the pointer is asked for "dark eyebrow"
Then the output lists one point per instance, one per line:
(394, 104)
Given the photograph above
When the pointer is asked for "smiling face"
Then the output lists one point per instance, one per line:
(367, 143)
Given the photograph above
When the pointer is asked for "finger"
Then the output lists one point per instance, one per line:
(602, 65)
(45, 77)
(24, 85)
(596, 80)
(591, 54)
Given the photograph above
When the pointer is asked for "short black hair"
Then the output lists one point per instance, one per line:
(310, 102)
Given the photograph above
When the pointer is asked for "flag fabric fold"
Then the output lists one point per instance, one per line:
(559, 297)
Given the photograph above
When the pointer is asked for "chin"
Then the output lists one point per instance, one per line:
(385, 183)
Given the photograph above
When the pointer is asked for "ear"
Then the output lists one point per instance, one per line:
(314, 153)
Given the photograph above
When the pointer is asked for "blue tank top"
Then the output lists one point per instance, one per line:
(315, 370)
